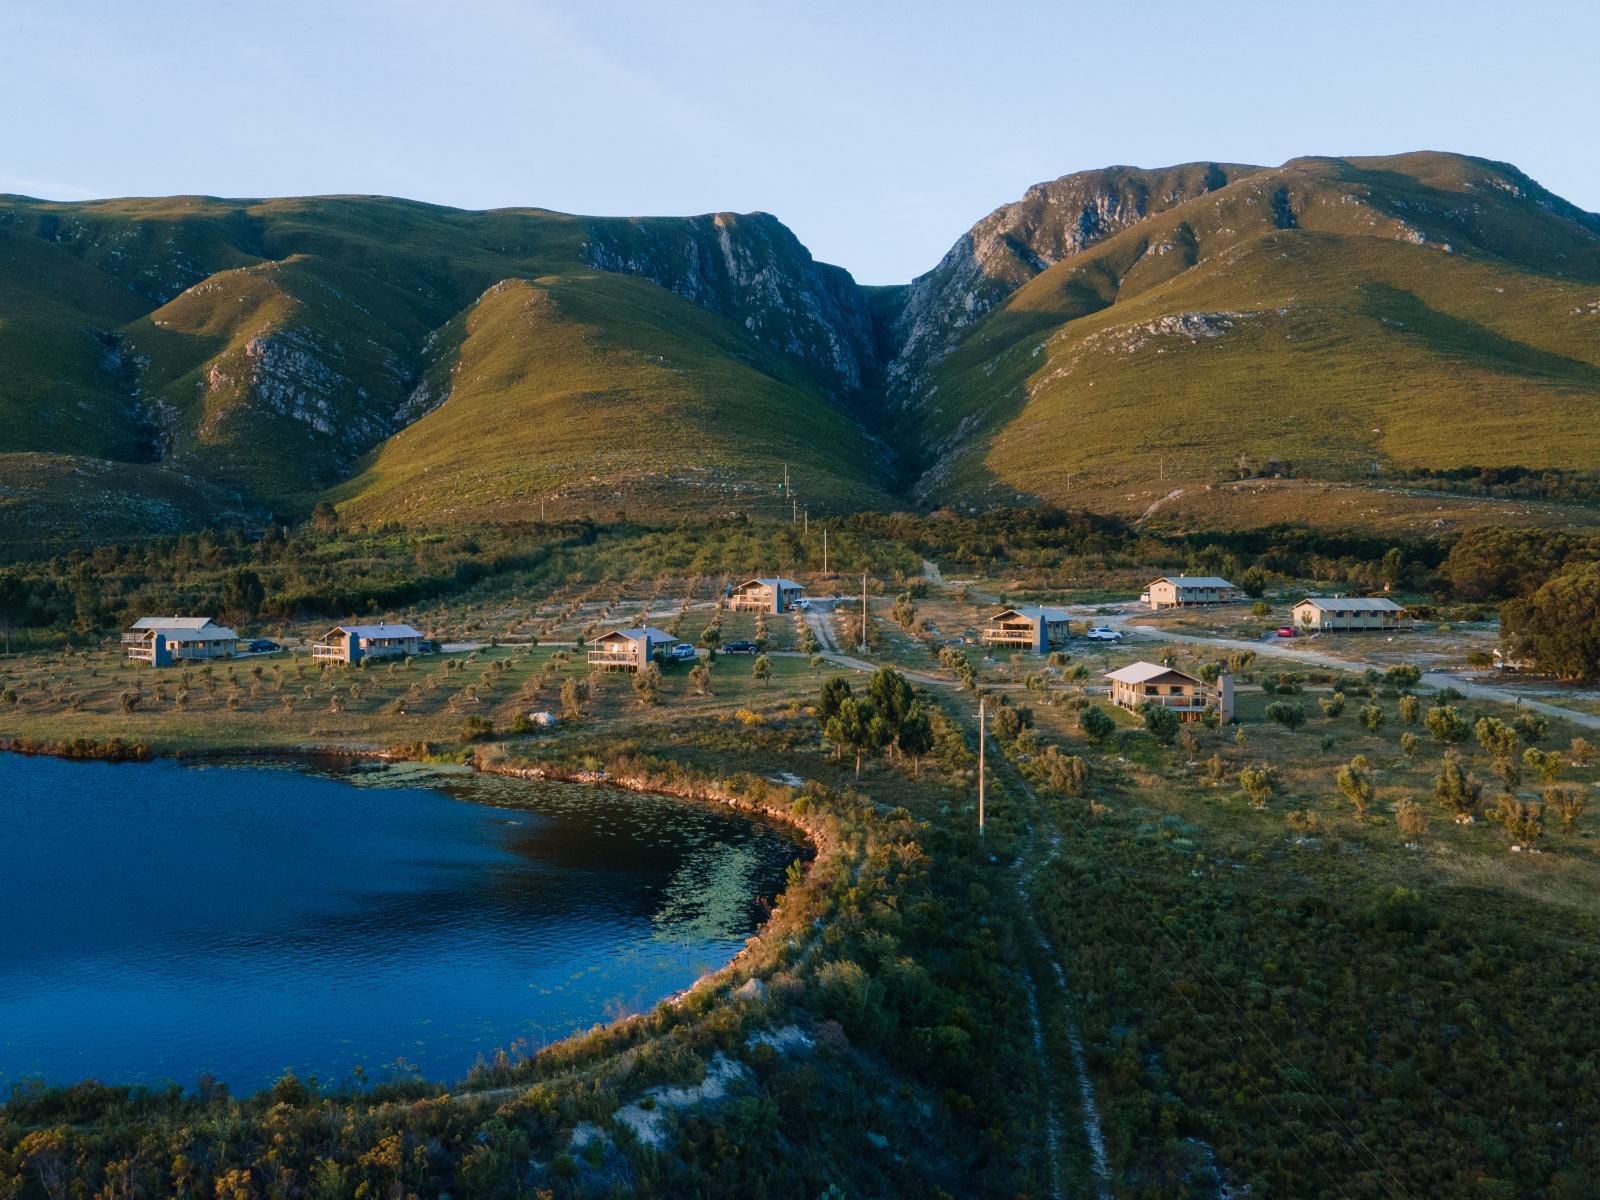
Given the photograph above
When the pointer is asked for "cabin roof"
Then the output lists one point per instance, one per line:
(1145, 672)
(1352, 603)
(1034, 612)
(1211, 581)
(375, 631)
(638, 633)
(775, 581)
(185, 623)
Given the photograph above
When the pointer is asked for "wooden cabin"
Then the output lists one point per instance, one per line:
(1347, 613)
(1141, 683)
(1030, 627)
(1180, 591)
(352, 643)
(765, 595)
(162, 641)
(628, 649)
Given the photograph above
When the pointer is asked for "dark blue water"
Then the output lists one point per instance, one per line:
(159, 922)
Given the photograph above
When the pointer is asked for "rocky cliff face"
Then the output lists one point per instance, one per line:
(1017, 241)
(753, 270)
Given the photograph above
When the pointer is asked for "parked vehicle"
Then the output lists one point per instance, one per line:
(1286, 631)
(263, 646)
(1102, 634)
(683, 651)
(739, 648)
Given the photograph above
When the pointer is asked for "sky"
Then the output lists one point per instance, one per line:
(878, 130)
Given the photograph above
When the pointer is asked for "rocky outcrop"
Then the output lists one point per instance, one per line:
(752, 269)
(1017, 241)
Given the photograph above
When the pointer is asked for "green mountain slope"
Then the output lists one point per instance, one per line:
(1133, 340)
(1428, 311)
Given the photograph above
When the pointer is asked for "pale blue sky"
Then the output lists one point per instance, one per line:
(878, 130)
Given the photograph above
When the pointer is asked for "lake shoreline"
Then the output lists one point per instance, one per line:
(811, 834)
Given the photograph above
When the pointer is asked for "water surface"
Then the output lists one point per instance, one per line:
(159, 922)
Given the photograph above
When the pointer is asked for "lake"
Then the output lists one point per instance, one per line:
(159, 922)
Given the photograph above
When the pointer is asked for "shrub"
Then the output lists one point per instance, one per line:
(1371, 718)
(1582, 752)
(1454, 787)
(1403, 675)
(1410, 709)
(1258, 783)
(1332, 705)
(1410, 818)
(1522, 819)
(1290, 716)
(1547, 763)
(1161, 722)
(1446, 724)
(1409, 743)
(476, 729)
(1568, 803)
(1097, 724)
(1355, 781)
(1531, 727)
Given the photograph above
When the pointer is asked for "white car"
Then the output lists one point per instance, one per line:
(683, 651)
(1102, 634)
(801, 605)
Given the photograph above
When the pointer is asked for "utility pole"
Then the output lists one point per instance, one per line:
(982, 738)
(541, 510)
(824, 549)
(794, 509)
(863, 612)
(805, 521)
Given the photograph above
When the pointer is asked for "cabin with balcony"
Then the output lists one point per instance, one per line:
(350, 644)
(162, 641)
(1181, 591)
(1030, 627)
(765, 595)
(628, 649)
(1347, 613)
(1141, 683)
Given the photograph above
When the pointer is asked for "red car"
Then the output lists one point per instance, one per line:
(1286, 631)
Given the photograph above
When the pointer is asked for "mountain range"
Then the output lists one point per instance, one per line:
(1212, 342)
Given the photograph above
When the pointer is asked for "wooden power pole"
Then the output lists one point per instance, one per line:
(863, 612)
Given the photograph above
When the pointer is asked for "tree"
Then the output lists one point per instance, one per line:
(242, 593)
(915, 737)
(1546, 762)
(834, 692)
(1500, 741)
(1410, 709)
(1096, 724)
(1355, 781)
(1403, 675)
(1409, 744)
(891, 697)
(1568, 803)
(1332, 705)
(647, 684)
(700, 679)
(1371, 718)
(1445, 722)
(761, 670)
(1531, 727)
(1393, 566)
(857, 728)
(573, 694)
(1522, 819)
(1454, 787)
(1160, 722)
(1252, 583)
(711, 638)
(1290, 716)
(1258, 782)
(1558, 626)
(1410, 818)
(476, 729)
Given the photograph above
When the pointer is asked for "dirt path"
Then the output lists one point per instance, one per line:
(1276, 649)
(822, 627)
(1151, 510)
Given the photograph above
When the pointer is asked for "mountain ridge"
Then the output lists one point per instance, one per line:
(280, 348)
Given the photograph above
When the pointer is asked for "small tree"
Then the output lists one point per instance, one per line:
(1290, 716)
(1547, 763)
(1161, 722)
(1216, 768)
(835, 691)
(1095, 723)
(1371, 718)
(1522, 819)
(1454, 787)
(1410, 708)
(1500, 741)
(1568, 803)
(647, 684)
(761, 670)
(700, 679)
(1581, 751)
(1410, 818)
(857, 728)
(1403, 676)
(476, 729)
(1258, 783)
(915, 737)
(1531, 727)
(1355, 781)
(574, 692)
(1409, 744)
(1332, 705)
(1446, 724)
